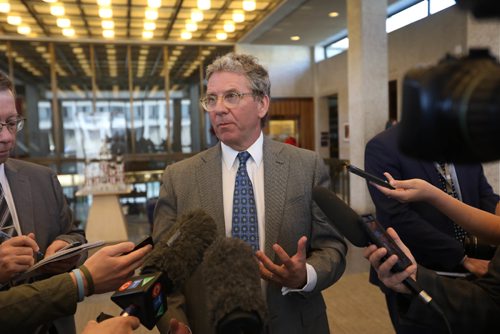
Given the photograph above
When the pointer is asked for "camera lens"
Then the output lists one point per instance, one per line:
(451, 112)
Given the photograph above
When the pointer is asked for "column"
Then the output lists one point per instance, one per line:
(367, 73)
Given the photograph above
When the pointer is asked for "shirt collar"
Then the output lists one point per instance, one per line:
(255, 150)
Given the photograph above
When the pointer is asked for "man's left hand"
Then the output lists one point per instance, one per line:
(61, 266)
(292, 273)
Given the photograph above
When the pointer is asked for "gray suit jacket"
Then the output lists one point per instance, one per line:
(290, 174)
(42, 209)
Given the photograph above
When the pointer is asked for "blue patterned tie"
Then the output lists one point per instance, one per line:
(245, 225)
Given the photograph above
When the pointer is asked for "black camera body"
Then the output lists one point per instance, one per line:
(451, 111)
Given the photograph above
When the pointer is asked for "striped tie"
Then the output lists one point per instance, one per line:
(6, 225)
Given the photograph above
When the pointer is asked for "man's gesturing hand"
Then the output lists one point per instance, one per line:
(292, 272)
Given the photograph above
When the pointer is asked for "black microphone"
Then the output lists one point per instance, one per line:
(144, 297)
(363, 231)
(231, 275)
(169, 265)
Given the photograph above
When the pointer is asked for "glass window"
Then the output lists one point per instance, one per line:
(406, 16)
(337, 47)
(439, 5)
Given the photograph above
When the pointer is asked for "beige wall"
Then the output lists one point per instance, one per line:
(289, 68)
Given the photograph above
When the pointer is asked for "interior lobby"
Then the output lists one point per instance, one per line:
(110, 92)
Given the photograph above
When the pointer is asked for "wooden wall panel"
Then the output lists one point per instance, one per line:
(301, 109)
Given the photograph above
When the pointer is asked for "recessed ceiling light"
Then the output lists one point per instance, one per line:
(68, 32)
(154, 3)
(186, 34)
(104, 3)
(4, 7)
(108, 33)
(229, 26)
(204, 4)
(196, 15)
(221, 36)
(63, 22)
(24, 30)
(191, 25)
(151, 14)
(295, 38)
(14, 20)
(57, 9)
(249, 5)
(333, 14)
(238, 16)
(149, 25)
(107, 24)
(105, 12)
(147, 34)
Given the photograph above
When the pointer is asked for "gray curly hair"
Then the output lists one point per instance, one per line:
(247, 65)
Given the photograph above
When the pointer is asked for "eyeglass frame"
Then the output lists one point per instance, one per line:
(203, 100)
(19, 125)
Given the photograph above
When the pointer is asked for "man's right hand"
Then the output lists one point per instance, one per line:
(17, 255)
(109, 268)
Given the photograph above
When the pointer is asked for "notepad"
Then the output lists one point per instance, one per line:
(60, 255)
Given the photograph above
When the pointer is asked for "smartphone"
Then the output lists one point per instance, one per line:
(147, 241)
(379, 236)
(369, 177)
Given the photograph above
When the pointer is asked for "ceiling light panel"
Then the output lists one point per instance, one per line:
(170, 20)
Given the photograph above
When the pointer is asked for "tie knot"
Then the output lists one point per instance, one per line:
(243, 157)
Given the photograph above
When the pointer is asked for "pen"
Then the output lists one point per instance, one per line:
(4, 236)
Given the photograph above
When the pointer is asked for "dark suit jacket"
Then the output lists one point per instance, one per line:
(469, 306)
(290, 174)
(426, 231)
(42, 209)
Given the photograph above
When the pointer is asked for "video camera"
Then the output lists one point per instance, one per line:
(451, 111)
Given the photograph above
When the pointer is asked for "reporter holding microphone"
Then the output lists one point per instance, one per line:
(470, 306)
(23, 308)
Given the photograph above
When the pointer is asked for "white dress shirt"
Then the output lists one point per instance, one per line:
(255, 169)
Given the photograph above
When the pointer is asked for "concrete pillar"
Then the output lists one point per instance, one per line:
(486, 34)
(367, 73)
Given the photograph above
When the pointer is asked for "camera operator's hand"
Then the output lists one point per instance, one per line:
(476, 266)
(391, 280)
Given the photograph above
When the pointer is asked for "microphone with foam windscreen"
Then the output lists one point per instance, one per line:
(231, 275)
(169, 265)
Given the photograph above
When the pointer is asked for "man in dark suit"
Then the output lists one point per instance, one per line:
(311, 253)
(32, 204)
(429, 234)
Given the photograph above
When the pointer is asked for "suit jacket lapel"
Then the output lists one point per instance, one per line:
(20, 188)
(209, 179)
(275, 180)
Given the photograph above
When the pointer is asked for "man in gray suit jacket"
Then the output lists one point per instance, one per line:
(36, 208)
(300, 253)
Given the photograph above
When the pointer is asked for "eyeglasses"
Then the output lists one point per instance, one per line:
(13, 125)
(229, 99)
